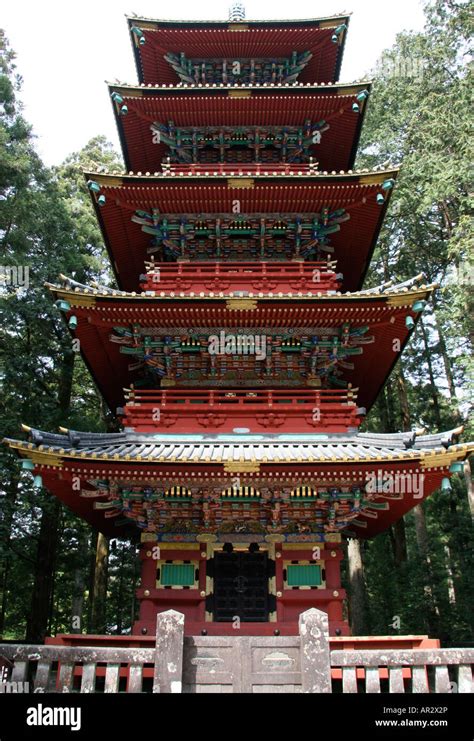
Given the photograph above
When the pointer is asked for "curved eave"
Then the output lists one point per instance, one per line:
(295, 88)
(317, 25)
(383, 314)
(354, 245)
(334, 20)
(55, 457)
(356, 177)
(231, 300)
(57, 466)
(214, 105)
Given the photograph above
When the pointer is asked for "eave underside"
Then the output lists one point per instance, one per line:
(271, 463)
(221, 107)
(225, 39)
(100, 311)
(353, 244)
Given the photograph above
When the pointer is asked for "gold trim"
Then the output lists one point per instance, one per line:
(306, 545)
(401, 299)
(241, 467)
(148, 538)
(240, 182)
(74, 298)
(240, 93)
(332, 23)
(381, 300)
(351, 90)
(425, 459)
(371, 179)
(336, 88)
(274, 539)
(440, 460)
(145, 25)
(238, 27)
(128, 91)
(46, 459)
(241, 303)
(206, 538)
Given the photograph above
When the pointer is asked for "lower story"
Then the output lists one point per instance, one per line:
(236, 583)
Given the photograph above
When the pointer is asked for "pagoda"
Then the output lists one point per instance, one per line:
(240, 350)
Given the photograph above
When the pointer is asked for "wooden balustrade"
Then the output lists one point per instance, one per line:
(312, 410)
(318, 277)
(239, 397)
(236, 168)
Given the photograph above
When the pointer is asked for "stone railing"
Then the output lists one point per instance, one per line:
(235, 664)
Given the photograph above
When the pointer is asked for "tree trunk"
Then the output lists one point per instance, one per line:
(398, 532)
(39, 613)
(357, 588)
(383, 411)
(65, 381)
(403, 396)
(432, 615)
(77, 604)
(398, 540)
(449, 571)
(469, 487)
(90, 592)
(99, 589)
(434, 393)
(8, 511)
(447, 364)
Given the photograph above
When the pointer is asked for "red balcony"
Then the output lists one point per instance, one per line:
(182, 411)
(232, 169)
(287, 277)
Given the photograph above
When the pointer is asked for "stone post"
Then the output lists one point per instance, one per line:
(169, 652)
(315, 655)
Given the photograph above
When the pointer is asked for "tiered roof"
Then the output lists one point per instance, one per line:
(141, 111)
(108, 322)
(128, 479)
(241, 213)
(357, 200)
(153, 39)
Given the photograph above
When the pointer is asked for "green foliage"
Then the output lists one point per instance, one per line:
(47, 225)
(419, 115)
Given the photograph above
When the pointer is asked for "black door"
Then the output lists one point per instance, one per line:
(241, 587)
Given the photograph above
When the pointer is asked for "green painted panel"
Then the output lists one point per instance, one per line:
(303, 576)
(177, 574)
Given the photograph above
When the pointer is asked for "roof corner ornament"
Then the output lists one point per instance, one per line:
(237, 11)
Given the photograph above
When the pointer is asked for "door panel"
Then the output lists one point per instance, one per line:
(241, 587)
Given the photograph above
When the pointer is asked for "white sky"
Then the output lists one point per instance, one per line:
(65, 51)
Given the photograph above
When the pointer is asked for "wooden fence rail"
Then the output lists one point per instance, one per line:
(236, 664)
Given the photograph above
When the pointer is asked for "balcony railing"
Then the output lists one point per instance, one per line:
(234, 169)
(312, 410)
(317, 277)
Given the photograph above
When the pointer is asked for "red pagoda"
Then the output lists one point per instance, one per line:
(240, 349)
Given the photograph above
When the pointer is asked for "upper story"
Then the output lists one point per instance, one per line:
(238, 52)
